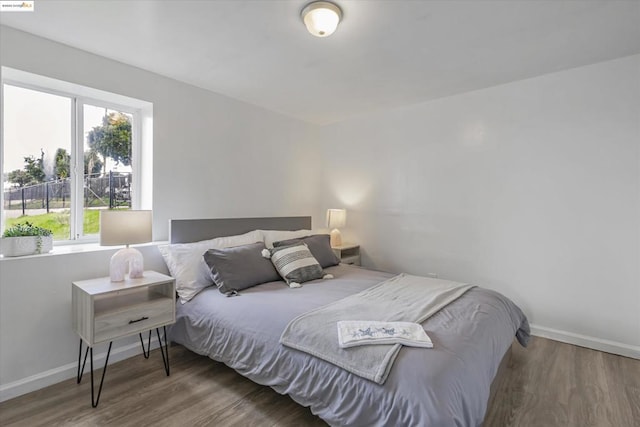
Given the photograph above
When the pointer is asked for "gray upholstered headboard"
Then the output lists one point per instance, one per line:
(194, 230)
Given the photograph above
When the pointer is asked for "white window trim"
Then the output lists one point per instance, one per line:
(142, 136)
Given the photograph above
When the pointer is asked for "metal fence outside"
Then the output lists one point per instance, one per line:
(112, 191)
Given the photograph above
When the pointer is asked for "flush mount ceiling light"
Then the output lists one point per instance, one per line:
(321, 18)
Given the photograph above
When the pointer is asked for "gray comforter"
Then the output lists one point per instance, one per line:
(444, 386)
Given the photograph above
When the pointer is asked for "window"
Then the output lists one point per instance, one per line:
(69, 151)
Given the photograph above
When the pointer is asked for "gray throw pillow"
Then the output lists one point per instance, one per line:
(319, 245)
(295, 264)
(240, 267)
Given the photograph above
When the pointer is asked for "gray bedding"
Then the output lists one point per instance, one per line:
(444, 386)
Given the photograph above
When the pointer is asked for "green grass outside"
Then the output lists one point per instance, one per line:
(58, 222)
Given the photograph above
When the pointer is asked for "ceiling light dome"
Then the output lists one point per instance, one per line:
(321, 18)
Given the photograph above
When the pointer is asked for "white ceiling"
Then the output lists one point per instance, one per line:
(384, 54)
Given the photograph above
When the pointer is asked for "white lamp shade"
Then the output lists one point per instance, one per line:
(336, 218)
(120, 227)
(321, 18)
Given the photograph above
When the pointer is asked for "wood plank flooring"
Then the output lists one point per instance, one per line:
(549, 384)
(556, 384)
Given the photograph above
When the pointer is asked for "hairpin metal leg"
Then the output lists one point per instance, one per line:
(164, 350)
(145, 353)
(81, 371)
(94, 403)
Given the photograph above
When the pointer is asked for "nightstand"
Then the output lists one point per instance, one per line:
(348, 253)
(105, 311)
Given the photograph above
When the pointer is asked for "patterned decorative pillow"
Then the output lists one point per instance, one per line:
(295, 264)
(319, 246)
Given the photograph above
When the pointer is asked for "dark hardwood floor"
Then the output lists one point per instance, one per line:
(549, 384)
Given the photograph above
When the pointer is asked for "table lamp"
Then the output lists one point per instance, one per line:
(336, 218)
(125, 227)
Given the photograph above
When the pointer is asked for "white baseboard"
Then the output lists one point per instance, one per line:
(607, 346)
(70, 370)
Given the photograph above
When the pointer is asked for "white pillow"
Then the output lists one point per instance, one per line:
(186, 261)
(271, 236)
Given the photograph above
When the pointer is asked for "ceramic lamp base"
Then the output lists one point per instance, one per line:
(127, 259)
(336, 238)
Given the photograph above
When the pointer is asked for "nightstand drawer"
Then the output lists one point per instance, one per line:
(131, 320)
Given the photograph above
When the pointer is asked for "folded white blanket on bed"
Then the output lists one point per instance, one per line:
(403, 298)
(352, 333)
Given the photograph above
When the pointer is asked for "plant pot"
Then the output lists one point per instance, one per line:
(28, 245)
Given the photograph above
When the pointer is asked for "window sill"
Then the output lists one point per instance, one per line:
(77, 248)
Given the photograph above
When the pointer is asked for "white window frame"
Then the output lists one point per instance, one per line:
(141, 136)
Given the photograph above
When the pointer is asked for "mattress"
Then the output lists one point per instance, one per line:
(447, 385)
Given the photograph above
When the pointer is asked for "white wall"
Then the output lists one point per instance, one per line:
(531, 188)
(213, 157)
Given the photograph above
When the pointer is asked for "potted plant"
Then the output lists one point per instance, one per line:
(25, 239)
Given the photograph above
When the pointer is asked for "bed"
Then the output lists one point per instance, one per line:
(447, 385)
